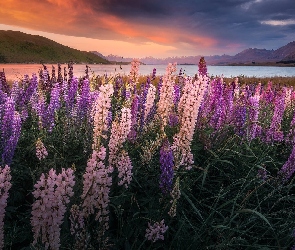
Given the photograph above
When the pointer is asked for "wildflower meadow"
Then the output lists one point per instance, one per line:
(146, 162)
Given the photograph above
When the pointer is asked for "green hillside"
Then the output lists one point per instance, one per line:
(18, 47)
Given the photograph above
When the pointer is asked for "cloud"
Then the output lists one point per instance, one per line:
(187, 25)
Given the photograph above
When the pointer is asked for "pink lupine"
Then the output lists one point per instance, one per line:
(97, 181)
(41, 151)
(5, 185)
(52, 194)
(165, 103)
(188, 109)
(124, 166)
(150, 98)
(100, 113)
(117, 156)
(119, 132)
(156, 231)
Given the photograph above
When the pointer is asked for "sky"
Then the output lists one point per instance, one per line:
(158, 28)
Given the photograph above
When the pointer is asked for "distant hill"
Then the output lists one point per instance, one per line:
(282, 56)
(18, 47)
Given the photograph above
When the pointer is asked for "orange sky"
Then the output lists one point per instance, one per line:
(133, 28)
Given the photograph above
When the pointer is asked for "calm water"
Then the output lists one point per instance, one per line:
(16, 71)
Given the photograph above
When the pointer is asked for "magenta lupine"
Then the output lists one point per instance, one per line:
(288, 168)
(188, 109)
(52, 194)
(176, 92)
(97, 181)
(274, 133)
(165, 103)
(5, 185)
(41, 151)
(167, 164)
(156, 231)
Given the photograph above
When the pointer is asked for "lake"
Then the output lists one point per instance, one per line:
(16, 71)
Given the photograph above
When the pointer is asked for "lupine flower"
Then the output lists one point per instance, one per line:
(188, 109)
(202, 67)
(156, 231)
(100, 112)
(52, 194)
(143, 102)
(53, 106)
(4, 86)
(254, 130)
(288, 168)
(97, 181)
(150, 98)
(175, 194)
(83, 104)
(5, 185)
(11, 129)
(41, 151)
(173, 120)
(119, 133)
(124, 166)
(166, 95)
(167, 164)
(71, 95)
(274, 133)
(134, 114)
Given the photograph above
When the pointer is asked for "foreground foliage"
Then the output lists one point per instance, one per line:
(170, 163)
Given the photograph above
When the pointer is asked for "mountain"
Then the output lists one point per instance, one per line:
(252, 56)
(18, 47)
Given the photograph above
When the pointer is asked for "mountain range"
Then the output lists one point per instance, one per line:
(284, 55)
(19, 47)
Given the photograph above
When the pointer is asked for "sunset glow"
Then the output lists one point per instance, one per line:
(137, 29)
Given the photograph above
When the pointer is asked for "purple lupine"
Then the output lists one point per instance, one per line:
(202, 67)
(134, 114)
(11, 142)
(274, 133)
(84, 100)
(10, 130)
(254, 129)
(118, 86)
(3, 83)
(167, 163)
(53, 106)
(173, 120)
(176, 96)
(288, 168)
(72, 92)
(217, 104)
(291, 134)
